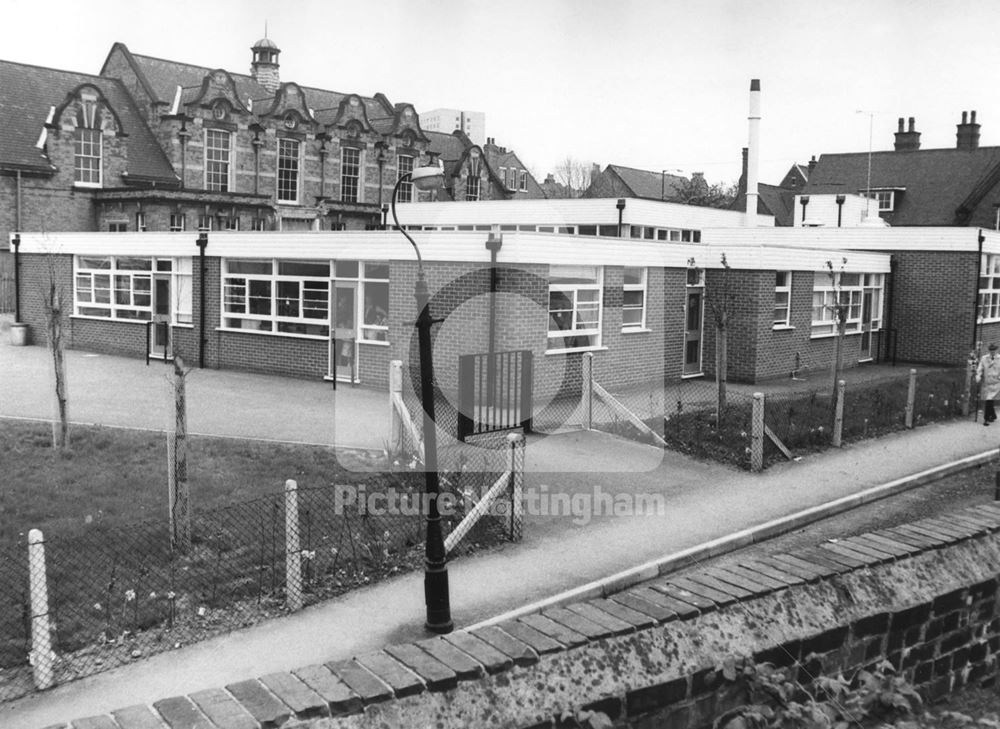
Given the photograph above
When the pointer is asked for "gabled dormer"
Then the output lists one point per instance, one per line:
(84, 120)
(217, 99)
(289, 111)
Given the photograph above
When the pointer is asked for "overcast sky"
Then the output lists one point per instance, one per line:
(653, 84)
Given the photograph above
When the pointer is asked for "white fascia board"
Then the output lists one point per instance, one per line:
(577, 211)
(943, 239)
(517, 248)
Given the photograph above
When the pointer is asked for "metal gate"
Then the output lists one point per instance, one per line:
(494, 392)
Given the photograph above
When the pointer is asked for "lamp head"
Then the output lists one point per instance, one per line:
(427, 178)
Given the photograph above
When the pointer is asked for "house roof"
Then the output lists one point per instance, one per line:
(934, 185)
(647, 184)
(30, 92)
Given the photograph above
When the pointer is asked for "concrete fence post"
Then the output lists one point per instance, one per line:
(911, 396)
(970, 369)
(293, 555)
(838, 417)
(395, 422)
(757, 433)
(516, 467)
(587, 390)
(42, 656)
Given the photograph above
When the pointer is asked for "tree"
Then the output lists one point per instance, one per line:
(697, 191)
(178, 491)
(720, 301)
(840, 307)
(52, 305)
(572, 178)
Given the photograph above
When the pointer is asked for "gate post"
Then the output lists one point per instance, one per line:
(466, 396)
(970, 368)
(42, 657)
(587, 390)
(757, 433)
(527, 402)
(515, 464)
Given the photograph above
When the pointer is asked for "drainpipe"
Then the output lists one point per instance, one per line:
(256, 143)
(803, 201)
(17, 205)
(202, 243)
(975, 299)
(890, 290)
(16, 242)
(183, 135)
(840, 208)
(621, 209)
(493, 244)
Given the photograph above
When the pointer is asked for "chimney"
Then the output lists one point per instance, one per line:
(907, 140)
(967, 136)
(812, 166)
(264, 68)
(753, 153)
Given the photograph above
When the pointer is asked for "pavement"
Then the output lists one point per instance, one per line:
(700, 503)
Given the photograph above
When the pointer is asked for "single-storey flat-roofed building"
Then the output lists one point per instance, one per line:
(340, 305)
(943, 295)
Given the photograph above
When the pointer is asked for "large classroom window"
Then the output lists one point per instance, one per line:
(288, 170)
(782, 299)
(852, 288)
(287, 297)
(217, 160)
(121, 287)
(87, 147)
(350, 174)
(574, 307)
(989, 288)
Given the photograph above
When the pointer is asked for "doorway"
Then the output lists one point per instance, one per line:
(867, 310)
(344, 339)
(693, 316)
(159, 340)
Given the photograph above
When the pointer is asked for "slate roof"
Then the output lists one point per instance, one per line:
(165, 76)
(937, 182)
(29, 92)
(647, 184)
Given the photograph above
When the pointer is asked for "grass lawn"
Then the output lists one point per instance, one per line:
(117, 476)
(116, 589)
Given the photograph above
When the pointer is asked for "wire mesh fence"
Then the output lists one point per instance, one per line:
(118, 592)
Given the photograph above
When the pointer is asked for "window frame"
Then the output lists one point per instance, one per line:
(523, 180)
(988, 308)
(824, 300)
(288, 172)
(594, 301)
(219, 170)
(88, 146)
(177, 222)
(406, 190)
(641, 287)
(120, 280)
(784, 322)
(473, 188)
(350, 174)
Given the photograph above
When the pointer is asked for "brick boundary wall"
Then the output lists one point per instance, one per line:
(922, 595)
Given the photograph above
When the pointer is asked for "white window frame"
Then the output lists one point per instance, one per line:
(88, 157)
(350, 175)
(640, 288)
(404, 164)
(472, 188)
(503, 176)
(269, 300)
(373, 332)
(178, 222)
(140, 222)
(218, 160)
(289, 171)
(989, 288)
(523, 181)
(886, 199)
(121, 290)
(584, 298)
(825, 288)
(782, 315)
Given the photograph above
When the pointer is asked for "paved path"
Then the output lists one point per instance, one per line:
(702, 502)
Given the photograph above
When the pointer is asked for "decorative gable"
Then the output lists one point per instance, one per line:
(290, 110)
(351, 115)
(86, 107)
(218, 95)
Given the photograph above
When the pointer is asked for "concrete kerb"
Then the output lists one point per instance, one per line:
(664, 565)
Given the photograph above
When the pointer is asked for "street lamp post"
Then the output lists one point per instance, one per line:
(436, 597)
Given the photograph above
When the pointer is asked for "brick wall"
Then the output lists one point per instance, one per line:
(933, 293)
(923, 596)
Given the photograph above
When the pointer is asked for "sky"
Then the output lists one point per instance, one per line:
(652, 84)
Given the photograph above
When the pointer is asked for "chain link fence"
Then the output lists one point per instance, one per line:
(118, 592)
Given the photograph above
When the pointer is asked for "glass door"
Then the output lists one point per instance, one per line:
(159, 340)
(344, 342)
(693, 310)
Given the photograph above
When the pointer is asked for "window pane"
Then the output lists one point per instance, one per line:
(634, 276)
(304, 268)
(102, 289)
(377, 270)
(633, 298)
(94, 263)
(288, 298)
(129, 263)
(573, 274)
(258, 267)
(260, 297)
(346, 269)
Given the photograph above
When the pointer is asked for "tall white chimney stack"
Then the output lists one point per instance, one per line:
(753, 153)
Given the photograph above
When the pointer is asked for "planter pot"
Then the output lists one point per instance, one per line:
(18, 334)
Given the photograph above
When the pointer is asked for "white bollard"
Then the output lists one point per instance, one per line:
(42, 657)
(757, 433)
(395, 422)
(587, 390)
(293, 556)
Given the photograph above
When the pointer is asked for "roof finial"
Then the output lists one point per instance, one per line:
(265, 28)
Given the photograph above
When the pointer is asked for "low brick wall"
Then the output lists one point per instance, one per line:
(924, 596)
